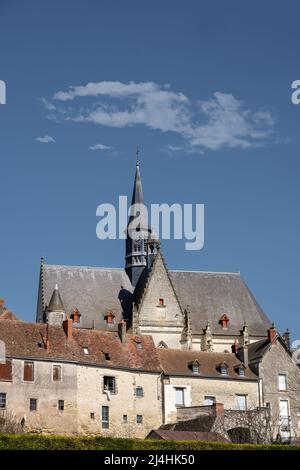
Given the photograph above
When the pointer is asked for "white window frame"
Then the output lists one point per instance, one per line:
(244, 396)
(282, 385)
(182, 390)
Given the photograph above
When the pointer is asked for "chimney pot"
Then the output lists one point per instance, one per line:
(272, 333)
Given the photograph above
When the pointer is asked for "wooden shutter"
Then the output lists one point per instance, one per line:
(6, 371)
(28, 372)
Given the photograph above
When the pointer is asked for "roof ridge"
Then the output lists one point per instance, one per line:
(204, 272)
(83, 267)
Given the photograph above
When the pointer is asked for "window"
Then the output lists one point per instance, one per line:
(161, 302)
(105, 417)
(109, 384)
(2, 400)
(107, 356)
(241, 402)
(241, 371)
(179, 396)
(196, 368)
(33, 404)
(6, 371)
(56, 373)
(284, 415)
(125, 419)
(224, 369)
(139, 392)
(209, 400)
(28, 375)
(92, 415)
(282, 382)
(61, 405)
(139, 419)
(86, 351)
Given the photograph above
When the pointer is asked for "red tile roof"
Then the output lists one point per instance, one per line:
(27, 340)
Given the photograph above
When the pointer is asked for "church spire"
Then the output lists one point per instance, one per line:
(137, 195)
(136, 249)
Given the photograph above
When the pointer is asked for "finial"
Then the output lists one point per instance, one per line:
(137, 152)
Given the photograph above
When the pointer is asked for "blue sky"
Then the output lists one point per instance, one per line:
(203, 87)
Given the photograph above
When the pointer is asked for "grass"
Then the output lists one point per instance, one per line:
(44, 442)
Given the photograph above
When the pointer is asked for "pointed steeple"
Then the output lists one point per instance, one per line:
(136, 249)
(137, 195)
(56, 303)
(56, 312)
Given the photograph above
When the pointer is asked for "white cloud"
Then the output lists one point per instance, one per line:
(48, 105)
(99, 147)
(218, 122)
(46, 139)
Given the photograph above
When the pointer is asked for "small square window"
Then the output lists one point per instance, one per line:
(139, 392)
(92, 415)
(107, 356)
(139, 419)
(109, 384)
(195, 368)
(161, 302)
(33, 404)
(224, 370)
(86, 351)
(2, 401)
(125, 419)
(61, 405)
(241, 372)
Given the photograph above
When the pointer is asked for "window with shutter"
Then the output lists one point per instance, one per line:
(28, 371)
(6, 371)
(56, 373)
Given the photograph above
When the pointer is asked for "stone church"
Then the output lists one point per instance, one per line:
(190, 310)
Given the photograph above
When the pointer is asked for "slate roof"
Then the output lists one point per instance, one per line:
(176, 362)
(94, 291)
(27, 340)
(210, 295)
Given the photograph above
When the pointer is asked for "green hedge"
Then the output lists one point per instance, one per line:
(43, 442)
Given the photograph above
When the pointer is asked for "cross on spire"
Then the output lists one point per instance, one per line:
(137, 152)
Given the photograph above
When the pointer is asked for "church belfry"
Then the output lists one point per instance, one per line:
(136, 247)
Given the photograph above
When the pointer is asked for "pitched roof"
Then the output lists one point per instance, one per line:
(210, 295)
(27, 340)
(56, 303)
(94, 291)
(176, 362)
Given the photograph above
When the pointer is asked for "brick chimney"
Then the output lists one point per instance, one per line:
(235, 346)
(2, 303)
(122, 330)
(272, 333)
(68, 328)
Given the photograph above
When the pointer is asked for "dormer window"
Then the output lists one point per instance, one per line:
(223, 368)
(75, 316)
(241, 371)
(109, 317)
(86, 351)
(138, 343)
(107, 356)
(224, 320)
(195, 367)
